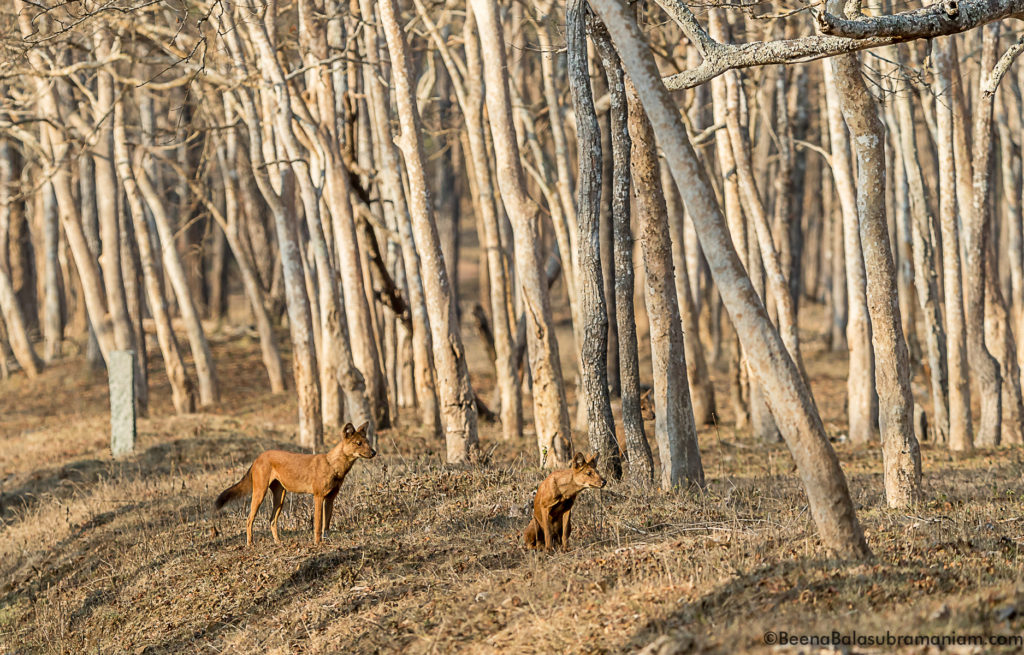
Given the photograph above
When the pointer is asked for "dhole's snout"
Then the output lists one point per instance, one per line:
(373, 453)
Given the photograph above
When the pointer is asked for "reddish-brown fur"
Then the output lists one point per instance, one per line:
(282, 471)
(554, 500)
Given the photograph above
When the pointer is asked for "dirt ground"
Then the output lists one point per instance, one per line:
(106, 556)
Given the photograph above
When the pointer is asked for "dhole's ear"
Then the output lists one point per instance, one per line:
(593, 460)
(646, 394)
(579, 461)
(348, 430)
(362, 428)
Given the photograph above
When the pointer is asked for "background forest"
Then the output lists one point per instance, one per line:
(765, 259)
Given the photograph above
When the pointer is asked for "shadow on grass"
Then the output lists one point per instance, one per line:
(182, 456)
(781, 590)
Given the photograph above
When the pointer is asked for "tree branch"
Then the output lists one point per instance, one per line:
(931, 21)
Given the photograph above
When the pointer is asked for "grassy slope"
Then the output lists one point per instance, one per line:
(128, 556)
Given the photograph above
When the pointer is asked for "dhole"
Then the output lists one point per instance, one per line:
(554, 500)
(320, 475)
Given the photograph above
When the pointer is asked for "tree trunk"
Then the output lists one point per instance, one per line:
(551, 415)
(393, 190)
(976, 225)
(500, 298)
(637, 448)
(788, 397)
(674, 426)
(925, 268)
(594, 351)
(458, 408)
(701, 389)
(13, 318)
(961, 436)
(862, 400)
(182, 391)
(900, 451)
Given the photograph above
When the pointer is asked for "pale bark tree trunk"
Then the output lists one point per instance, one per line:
(458, 408)
(60, 183)
(976, 225)
(925, 269)
(674, 426)
(594, 357)
(998, 329)
(500, 298)
(392, 188)
(702, 391)
(352, 294)
(778, 285)
(862, 401)
(719, 29)
(900, 450)
(182, 391)
(13, 318)
(551, 416)
(205, 372)
(827, 492)
(226, 158)
(961, 435)
(299, 315)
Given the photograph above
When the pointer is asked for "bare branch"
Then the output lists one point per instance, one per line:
(932, 21)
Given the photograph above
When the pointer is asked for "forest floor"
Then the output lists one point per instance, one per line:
(98, 555)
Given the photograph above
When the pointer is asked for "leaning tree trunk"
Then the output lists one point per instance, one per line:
(175, 271)
(458, 408)
(307, 385)
(593, 352)
(900, 450)
(787, 395)
(551, 415)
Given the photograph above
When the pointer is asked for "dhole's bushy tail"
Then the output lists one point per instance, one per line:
(241, 488)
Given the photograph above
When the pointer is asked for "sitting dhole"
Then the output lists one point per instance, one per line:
(320, 475)
(554, 500)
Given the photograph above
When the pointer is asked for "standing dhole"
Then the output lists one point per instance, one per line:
(554, 500)
(320, 475)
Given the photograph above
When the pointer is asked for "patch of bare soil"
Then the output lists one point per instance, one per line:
(98, 555)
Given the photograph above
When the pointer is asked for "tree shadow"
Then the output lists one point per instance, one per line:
(185, 455)
(757, 595)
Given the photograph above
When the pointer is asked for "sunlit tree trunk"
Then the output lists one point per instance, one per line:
(900, 451)
(788, 397)
(458, 408)
(862, 401)
(551, 415)
(674, 427)
(961, 435)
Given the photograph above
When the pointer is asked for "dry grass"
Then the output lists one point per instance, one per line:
(106, 556)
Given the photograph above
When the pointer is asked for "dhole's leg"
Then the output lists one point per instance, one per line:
(566, 529)
(258, 493)
(278, 491)
(548, 529)
(318, 518)
(329, 509)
